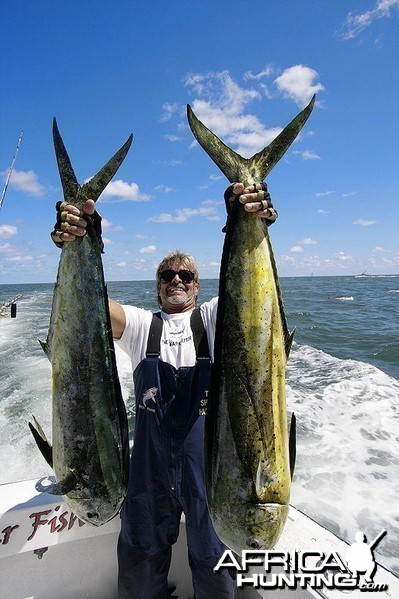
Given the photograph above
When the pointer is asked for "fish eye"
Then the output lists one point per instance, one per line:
(253, 544)
(91, 515)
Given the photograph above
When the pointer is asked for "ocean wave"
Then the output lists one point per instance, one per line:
(348, 453)
(345, 299)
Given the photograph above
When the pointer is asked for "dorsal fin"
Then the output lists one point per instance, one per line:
(247, 170)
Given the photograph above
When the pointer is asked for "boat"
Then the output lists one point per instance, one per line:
(9, 304)
(46, 552)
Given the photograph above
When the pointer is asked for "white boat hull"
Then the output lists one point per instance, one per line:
(47, 553)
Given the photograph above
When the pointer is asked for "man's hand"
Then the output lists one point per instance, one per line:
(255, 198)
(70, 224)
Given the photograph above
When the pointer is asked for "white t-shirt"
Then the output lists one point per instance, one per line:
(177, 343)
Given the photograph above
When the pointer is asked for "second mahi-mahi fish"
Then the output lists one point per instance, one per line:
(249, 454)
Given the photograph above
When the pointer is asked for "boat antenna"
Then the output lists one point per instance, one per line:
(10, 170)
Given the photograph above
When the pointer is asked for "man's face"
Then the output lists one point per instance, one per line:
(176, 295)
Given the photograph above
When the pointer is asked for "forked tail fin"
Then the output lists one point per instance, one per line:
(93, 188)
(247, 170)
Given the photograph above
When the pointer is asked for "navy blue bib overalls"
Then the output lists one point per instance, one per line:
(166, 477)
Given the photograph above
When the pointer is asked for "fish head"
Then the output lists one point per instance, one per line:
(252, 527)
(264, 525)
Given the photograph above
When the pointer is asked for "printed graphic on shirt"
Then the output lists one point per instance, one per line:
(176, 337)
(203, 404)
(148, 401)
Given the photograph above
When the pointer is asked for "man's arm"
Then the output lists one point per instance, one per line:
(118, 318)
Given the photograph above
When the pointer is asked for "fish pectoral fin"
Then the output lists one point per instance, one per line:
(64, 486)
(288, 342)
(46, 348)
(41, 441)
(292, 444)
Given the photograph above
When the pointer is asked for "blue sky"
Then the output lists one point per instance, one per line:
(106, 69)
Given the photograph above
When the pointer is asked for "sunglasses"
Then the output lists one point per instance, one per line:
(186, 276)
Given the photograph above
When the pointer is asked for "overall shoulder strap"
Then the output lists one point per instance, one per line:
(199, 334)
(154, 336)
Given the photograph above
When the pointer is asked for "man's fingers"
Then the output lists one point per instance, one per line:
(73, 219)
(73, 230)
(65, 236)
(256, 201)
(238, 188)
(89, 207)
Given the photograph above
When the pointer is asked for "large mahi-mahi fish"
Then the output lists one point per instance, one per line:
(249, 455)
(90, 446)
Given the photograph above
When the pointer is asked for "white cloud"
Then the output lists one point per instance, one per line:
(7, 231)
(171, 138)
(106, 225)
(307, 154)
(378, 250)
(7, 249)
(307, 241)
(311, 261)
(13, 253)
(298, 83)
(296, 249)
(364, 223)
(323, 193)
(349, 194)
(121, 264)
(287, 260)
(19, 258)
(121, 191)
(169, 162)
(182, 215)
(222, 104)
(150, 249)
(265, 73)
(343, 257)
(213, 203)
(163, 188)
(168, 111)
(321, 211)
(356, 23)
(28, 182)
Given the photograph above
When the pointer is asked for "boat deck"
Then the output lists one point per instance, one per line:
(48, 553)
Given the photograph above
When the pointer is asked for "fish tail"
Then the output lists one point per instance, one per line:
(93, 188)
(247, 170)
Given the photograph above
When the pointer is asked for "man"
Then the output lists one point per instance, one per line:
(171, 354)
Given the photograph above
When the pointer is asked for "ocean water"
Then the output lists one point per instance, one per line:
(342, 383)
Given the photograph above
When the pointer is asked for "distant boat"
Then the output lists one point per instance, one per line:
(9, 304)
(363, 274)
